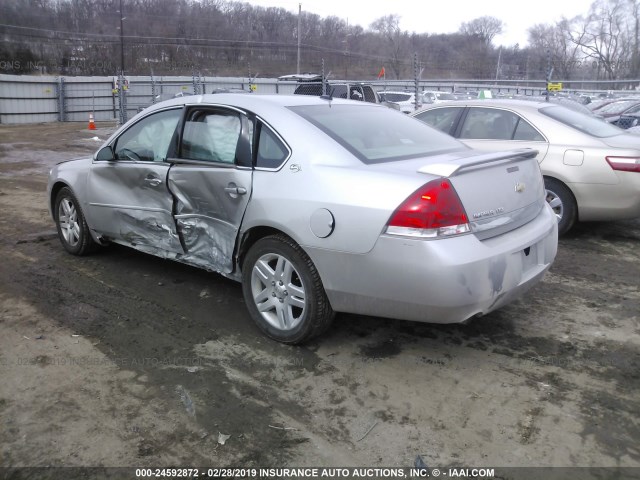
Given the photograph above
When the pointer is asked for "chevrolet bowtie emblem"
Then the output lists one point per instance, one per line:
(520, 187)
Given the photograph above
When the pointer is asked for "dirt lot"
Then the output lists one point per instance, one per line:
(123, 359)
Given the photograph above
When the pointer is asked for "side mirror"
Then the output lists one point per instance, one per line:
(106, 154)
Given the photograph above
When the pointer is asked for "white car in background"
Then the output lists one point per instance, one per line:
(406, 101)
(429, 96)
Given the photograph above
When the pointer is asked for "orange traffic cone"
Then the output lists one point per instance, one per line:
(92, 124)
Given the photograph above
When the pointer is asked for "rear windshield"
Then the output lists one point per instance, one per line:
(445, 96)
(580, 121)
(377, 134)
(615, 108)
(397, 97)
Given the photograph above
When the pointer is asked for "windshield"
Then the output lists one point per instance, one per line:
(377, 134)
(583, 122)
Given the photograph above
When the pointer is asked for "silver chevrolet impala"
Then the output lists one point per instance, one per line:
(317, 205)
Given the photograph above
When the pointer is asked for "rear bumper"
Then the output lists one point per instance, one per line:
(600, 202)
(441, 281)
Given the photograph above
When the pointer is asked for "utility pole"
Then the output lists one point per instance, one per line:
(346, 52)
(498, 67)
(416, 81)
(121, 40)
(549, 73)
(299, 19)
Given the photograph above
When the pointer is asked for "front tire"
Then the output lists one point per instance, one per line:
(283, 291)
(563, 204)
(73, 230)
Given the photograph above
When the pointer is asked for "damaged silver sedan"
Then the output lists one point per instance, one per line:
(317, 205)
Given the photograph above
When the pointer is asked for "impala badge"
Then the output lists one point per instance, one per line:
(520, 187)
(488, 213)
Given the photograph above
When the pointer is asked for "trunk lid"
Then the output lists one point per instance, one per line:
(499, 191)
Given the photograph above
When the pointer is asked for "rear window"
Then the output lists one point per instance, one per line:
(377, 134)
(397, 97)
(615, 108)
(580, 121)
(445, 96)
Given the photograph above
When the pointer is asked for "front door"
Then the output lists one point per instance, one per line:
(128, 198)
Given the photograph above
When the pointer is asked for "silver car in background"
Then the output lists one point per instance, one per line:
(591, 168)
(317, 206)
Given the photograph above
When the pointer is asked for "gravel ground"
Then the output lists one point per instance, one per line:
(123, 359)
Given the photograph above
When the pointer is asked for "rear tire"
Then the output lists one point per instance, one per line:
(73, 230)
(563, 204)
(283, 291)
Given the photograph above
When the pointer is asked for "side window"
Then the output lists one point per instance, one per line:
(211, 136)
(339, 91)
(271, 151)
(441, 118)
(369, 94)
(149, 139)
(489, 123)
(355, 93)
(524, 131)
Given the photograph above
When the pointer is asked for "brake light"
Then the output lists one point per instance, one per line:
(624, 164)
(432, 211)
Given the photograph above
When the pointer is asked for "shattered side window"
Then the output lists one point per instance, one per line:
(211, 136)
(149, 139)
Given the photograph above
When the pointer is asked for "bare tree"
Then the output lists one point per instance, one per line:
(485, 28)
(389, 28)
(606, 35)
(556, 39)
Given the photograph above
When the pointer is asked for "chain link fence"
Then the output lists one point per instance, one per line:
(32, 99)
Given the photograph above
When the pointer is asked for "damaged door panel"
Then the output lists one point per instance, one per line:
(128, 198)
(130, 202)
(211, 183)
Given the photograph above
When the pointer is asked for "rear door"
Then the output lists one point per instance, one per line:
(211, 180)
(496, 129)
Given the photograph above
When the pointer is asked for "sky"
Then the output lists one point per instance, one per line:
(428, 16)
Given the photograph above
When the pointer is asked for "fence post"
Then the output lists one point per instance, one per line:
(196, 85)
(122, 97)
(324, 82)
(416, 81)
(153, 90)
(62, 100)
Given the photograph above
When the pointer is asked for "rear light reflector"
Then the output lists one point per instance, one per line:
(624, 164)
(432, 211)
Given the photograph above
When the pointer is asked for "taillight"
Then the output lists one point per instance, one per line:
(624, 164)
(432, 211)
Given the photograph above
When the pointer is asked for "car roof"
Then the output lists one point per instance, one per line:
(505, 103)
(251, 101)
(269, 106)
(302, 77)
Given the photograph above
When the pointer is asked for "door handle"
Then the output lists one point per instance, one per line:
(235, 190)
(153, 181)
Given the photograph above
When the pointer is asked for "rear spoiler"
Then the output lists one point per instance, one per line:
(451, 169)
